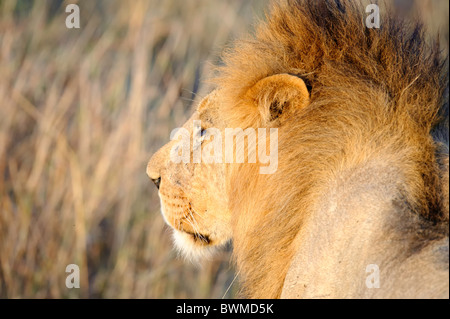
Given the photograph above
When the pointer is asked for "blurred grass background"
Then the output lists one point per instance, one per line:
(81, 112)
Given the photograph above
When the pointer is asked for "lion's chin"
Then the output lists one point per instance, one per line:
(192, 247)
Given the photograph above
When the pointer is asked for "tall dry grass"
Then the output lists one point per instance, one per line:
(81, 112)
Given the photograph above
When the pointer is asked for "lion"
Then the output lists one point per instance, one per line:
(358, 206)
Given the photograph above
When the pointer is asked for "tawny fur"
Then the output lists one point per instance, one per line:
(359, 144)
(375, 94)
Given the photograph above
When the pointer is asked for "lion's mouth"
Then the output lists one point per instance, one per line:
(200, 238)
(185, 224)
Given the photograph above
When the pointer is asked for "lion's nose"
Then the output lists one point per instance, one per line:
(157, 181)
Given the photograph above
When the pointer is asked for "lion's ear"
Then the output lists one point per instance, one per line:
(278, 95)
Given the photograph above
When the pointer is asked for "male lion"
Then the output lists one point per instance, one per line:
(358, 204)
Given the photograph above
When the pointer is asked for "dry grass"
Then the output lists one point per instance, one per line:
(81, 112)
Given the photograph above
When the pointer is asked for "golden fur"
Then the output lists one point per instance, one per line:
(361, 135)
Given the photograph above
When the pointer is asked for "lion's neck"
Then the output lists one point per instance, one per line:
(356, 239)
(339, 202)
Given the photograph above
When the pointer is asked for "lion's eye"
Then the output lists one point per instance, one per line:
(203, 134)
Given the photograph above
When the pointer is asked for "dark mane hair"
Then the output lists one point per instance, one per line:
(310, 37)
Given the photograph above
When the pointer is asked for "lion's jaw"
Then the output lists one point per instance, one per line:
(200, 224)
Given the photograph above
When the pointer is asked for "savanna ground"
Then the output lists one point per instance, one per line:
(81, 112)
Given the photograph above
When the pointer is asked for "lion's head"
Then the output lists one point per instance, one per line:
(194, 193)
